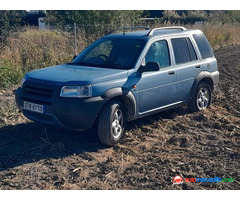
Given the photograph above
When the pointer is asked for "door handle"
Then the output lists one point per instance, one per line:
(199, 66)
(171, 72)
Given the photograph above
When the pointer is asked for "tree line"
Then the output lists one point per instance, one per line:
(11, 20)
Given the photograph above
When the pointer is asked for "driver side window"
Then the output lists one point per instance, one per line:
(159, 52)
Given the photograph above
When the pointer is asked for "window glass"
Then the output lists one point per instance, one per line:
(158, 52)
(181, 50)
(203, 45)
(192, 51)
(115, 53)
(103, 48)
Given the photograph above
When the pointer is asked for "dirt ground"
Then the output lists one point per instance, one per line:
(154, 150)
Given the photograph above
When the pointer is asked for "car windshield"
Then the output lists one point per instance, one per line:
(111, 53)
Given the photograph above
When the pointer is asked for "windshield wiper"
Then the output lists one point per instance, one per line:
(83, 64)
(114, 66)
(72, 63)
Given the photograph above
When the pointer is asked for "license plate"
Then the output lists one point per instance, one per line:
(33, 107)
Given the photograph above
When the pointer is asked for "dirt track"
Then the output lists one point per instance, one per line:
(154, 150)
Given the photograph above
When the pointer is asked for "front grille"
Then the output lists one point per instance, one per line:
(38, 93)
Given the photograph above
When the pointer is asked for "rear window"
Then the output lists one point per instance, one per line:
(203, 45)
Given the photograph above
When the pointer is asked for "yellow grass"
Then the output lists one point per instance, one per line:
(30, 48)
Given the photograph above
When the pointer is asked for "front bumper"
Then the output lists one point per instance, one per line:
(70, 113)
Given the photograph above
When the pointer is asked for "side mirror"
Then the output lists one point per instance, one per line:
(149, 67)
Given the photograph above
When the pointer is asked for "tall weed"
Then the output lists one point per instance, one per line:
(31, 49)
(221, 34)
(9, 75)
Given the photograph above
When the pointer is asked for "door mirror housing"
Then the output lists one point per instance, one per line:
(149, 67)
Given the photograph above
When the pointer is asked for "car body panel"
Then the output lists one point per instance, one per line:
(152, 86)
(74, 74)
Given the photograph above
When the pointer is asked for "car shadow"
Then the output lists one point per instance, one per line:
(151, 119)
(31, 142)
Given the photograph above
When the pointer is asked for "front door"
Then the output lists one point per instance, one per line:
(157, 89)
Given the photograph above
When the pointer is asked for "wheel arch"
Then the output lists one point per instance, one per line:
(126, 97)
(202, 77)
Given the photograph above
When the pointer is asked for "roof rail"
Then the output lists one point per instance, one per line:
(128, 28)
(168, 27)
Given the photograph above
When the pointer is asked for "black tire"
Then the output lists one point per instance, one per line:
(111, 123)
(201, 98)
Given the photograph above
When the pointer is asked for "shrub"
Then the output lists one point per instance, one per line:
(221, 34)
(32, 49)
(218, 34)
(9, 76)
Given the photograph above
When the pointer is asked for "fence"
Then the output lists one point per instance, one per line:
(87, 33)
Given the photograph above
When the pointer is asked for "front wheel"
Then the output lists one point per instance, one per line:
(111, 123)
(202, 97)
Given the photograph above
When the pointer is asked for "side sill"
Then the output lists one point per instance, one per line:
(160, 109)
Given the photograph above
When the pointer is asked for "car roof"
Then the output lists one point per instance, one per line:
(147, 34)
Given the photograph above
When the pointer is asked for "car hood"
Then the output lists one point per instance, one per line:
(75, 74)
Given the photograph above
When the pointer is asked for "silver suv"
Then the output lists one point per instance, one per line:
(123, 76)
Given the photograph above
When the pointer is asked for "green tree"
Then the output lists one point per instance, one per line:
(224, 17)
(94, 18)
(234, 15)
(171, 16)
(10, 20)
(194, 15)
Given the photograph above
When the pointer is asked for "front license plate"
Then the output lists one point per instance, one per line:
(33, 107)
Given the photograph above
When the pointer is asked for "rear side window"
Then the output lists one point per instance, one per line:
(181, 50)
(192, 51)
(203, 45)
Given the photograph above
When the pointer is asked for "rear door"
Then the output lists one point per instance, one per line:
(187, 66)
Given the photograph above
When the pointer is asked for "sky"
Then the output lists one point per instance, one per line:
(120, 5)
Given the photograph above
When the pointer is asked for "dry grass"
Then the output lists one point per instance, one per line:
(31, 49)
(221, 35)
(218, 34)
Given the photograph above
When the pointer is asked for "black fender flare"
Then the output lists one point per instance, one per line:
(204, 75)
(127, 96)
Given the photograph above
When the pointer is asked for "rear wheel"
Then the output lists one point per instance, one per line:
(202, 97)
(111, 123)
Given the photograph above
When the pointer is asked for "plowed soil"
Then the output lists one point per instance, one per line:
(153, 151)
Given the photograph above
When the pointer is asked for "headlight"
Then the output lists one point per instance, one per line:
(76, 91)
(23, 80)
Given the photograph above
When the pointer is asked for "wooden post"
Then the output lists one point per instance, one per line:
(75, 37)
